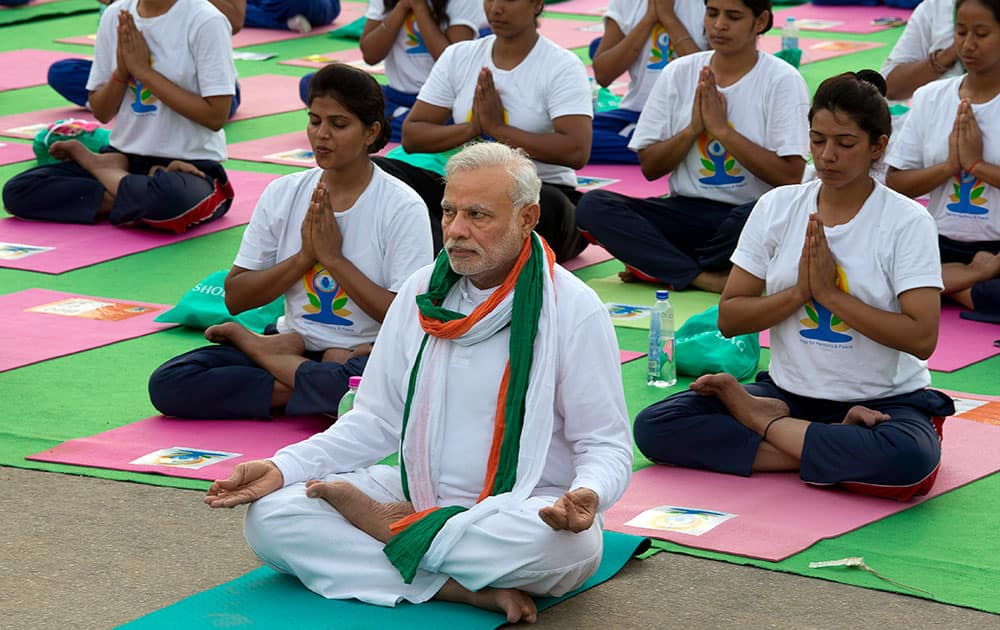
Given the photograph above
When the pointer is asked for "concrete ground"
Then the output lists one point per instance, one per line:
(88, 553)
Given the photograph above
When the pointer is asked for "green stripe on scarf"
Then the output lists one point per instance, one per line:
(406, 549)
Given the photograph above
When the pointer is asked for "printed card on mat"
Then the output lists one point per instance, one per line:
(16, 251)
(298, 156)
(684, 520)
(586, 183)
(92, 309)
(985, 411)
(183, 457)
(627, 311)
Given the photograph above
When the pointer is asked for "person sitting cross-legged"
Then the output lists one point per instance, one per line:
(512, 442)
(845, 274)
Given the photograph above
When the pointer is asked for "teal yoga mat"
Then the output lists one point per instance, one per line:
(264, 598)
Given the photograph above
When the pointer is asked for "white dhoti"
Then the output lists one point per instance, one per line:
(309, 539)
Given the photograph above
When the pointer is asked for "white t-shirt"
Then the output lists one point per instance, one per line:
(965, 208)
(387, 236)
(549, 83)
(191, 45)
(591, 443)
(769, 105)
(888, 248)
(930, 27)
(658, 52)
(409, 62)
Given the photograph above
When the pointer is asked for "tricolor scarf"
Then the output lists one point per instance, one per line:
(526, 302)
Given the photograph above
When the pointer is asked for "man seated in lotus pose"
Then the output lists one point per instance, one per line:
(512, 441)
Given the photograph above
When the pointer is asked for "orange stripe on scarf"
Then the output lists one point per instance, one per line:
(498, 428)
(406, 521)
(458, 327)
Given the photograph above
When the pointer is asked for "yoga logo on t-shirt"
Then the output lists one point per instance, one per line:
(142, 98)
(719, 169)
(968, 195)
(326, 298)
(821, 324)
(414, 41)
(660, 52)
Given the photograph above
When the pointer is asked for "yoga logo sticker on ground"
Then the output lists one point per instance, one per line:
(92, 309)
(684, 520)
(183, 457)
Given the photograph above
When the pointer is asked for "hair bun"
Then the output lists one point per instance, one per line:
(875, 78)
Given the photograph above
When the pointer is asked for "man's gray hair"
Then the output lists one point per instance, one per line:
(525, 185)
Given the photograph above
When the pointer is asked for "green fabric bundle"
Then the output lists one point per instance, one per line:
(204, 305)
(701, 349)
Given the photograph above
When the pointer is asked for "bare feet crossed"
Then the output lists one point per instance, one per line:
(752, 411)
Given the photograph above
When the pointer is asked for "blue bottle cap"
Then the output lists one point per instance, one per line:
(662, 294)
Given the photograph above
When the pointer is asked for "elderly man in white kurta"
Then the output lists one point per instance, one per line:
(496, 376)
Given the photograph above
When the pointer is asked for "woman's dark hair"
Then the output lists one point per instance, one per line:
(860, 95)
(439, 9)
(358, 92)
(757, 7)
(992, 5)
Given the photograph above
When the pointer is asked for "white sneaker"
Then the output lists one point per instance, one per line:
(299, 24)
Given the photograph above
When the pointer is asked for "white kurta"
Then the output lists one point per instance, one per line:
(591, 447)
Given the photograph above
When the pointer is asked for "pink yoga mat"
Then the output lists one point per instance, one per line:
(64, 323)
(59, 247)
(626, 179)
(291, 149)
(592, 255)
(252, 439)
(840, 19)
(11, 152)
(629, 355)
(267, 94)
(569, 33)
(814, 50)
(961, 342)
(579, 7)
(28, 67)
(351, 56)
(776, 514)
(28, 124)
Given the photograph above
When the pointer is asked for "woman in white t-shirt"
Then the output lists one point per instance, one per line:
(727, 125)
(640, 37)
(948, 148)
(337, 241)
(515, 87)
(842, 271)
(409, 36)
(925, 52)
(163, 69)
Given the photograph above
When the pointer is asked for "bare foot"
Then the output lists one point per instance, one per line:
(517, 605)
(627, 276)
(250, 342)
(752, 411)
(711, 281)
(69, 151)
(361, 510)
(863, 416)
(985, 265)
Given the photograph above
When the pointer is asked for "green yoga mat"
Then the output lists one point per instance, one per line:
(686, 303)
(28, 12)
(948, 546)
(266, 599)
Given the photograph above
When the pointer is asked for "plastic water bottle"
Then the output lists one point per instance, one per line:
(790, 35)
(347, 400)
(661, 370)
